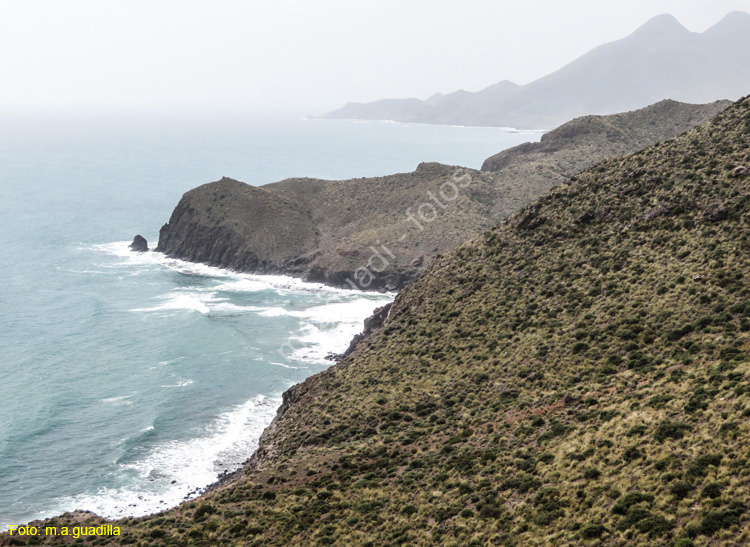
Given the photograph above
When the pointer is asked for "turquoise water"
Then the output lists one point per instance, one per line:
(130, 381)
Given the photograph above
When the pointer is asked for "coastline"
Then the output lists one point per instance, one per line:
(503, 129)
(257, 412)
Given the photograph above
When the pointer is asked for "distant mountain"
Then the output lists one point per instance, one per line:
(661, 60)
(325, 230)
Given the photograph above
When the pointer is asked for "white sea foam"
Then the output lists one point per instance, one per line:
(285, 366)
(325, 328)
(273, 312)
(232, 281)
(171, 361)
(179, 302)
(329, 328)
(122, 399)
(178, 470)
(181, 383)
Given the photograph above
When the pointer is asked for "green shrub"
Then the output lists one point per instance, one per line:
(636, 431)
(622, 506)
(632, 453)
(713, 521)
(681, 489)
(712, 490)
(409, 510)
(204, 510)
(547, 517)
(659, 401)
(490, 511)
(654, 526)
(699, 468)
(580, 347)
(635, 515)
(522, 484)
(670, 430)
(593, 531)
(592, 474)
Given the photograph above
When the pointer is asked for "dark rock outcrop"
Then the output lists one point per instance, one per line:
(372, 324)
(139, 245)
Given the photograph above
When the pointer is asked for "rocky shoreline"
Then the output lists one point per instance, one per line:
(347, 234)
(382, 233)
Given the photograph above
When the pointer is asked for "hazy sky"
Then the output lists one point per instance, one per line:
(307, 56)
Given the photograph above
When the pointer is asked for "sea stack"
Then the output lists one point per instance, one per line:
(139, 245)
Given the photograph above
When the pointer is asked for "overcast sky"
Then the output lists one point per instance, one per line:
(305, 56)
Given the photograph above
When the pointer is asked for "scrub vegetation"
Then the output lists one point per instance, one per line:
(578, 375)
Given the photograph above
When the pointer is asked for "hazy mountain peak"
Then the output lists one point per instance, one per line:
(505, 85)
(735, 21)
(736, 16)
(661, 24)
(436, 98)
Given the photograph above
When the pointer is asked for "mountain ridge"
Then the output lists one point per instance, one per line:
(660, 60)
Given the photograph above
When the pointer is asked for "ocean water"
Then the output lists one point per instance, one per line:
(129, 382)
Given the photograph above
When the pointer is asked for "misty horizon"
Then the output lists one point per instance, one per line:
(296, 59)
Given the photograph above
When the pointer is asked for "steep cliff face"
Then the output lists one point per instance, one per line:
(382, 232)
(235, 225)
(374, 233)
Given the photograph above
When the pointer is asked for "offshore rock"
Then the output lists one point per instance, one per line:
(139, 245)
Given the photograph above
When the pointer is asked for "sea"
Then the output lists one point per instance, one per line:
(129, 382)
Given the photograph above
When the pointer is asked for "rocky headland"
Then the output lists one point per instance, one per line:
(381, 233)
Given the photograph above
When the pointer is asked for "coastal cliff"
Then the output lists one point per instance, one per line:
(364, 233)
(579, 375)
(381, 233)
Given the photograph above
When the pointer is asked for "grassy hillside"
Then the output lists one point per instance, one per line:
(325, 230)
(584, 141)
(579, 375)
